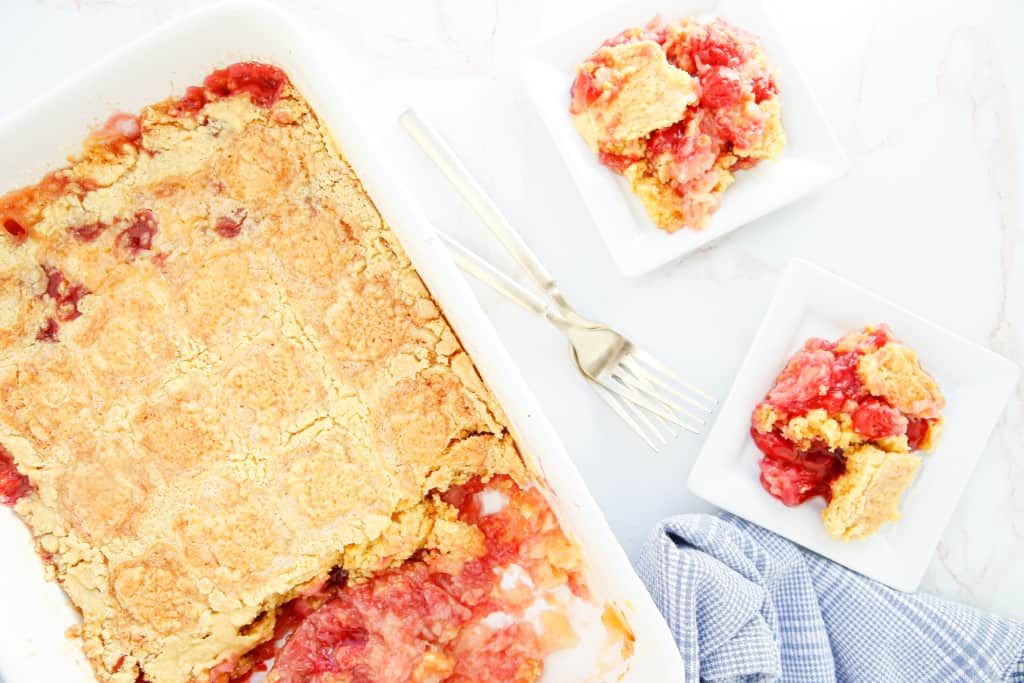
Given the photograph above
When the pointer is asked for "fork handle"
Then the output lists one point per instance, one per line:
(421, 130)
(476, 266)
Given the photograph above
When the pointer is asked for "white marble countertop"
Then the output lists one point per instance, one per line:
(929, 215)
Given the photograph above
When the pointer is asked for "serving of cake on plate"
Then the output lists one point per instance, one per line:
(844, 421)
(678, 108)
(239, 427)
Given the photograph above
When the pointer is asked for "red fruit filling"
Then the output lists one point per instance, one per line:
(588, 86)
(917, 429)
(15, 229)
(584, 92)
(617, 162)
(764, 87)
(263, 82)
(191, 102)
(876, 419)
(685, 151)
(794, 476)
(64, 294)
(138, 236)
(121, 128)
(88, 232)
(721, 86)
(816, 377)
(721, 45)
(429, 621)
(720, 57)
(48, 332)
(13, 484)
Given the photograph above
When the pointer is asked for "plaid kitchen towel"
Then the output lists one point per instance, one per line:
(747, 605)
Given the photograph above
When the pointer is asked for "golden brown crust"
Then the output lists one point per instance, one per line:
(229, 417)
(894, 373)
(867, 494)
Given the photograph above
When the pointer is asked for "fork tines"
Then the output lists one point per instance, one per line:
(639, 387)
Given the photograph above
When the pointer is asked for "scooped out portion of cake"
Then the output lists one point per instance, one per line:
(867, 494)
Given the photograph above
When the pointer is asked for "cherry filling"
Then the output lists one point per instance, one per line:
(88, 232)
(64, 294)
(192, 101)
(48, 332)
(917, 430)
(686, 150)
(13, 484)
(721, 86)
(764, 88)
(617, 162)
(720, 45)
(427, 620)
(15, 229)
(876, 419)
(138, 236)
(721, 58)
(263, 82)
(817, 377)
(586, 89)
(794, 476)
(230, 226)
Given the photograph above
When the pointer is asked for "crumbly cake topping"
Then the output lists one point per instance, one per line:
(867, 494)
(458, 617)
(678, 108)
(860, 398)
(222, 378)
(639, 92)
(894, 371)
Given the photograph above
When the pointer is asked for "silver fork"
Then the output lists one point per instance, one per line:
(630, 380)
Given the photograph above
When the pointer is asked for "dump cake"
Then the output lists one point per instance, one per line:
(234, 417)
(678, 108)
(843, 421)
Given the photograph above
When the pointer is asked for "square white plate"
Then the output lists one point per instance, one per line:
(812, 302)
(812, 156)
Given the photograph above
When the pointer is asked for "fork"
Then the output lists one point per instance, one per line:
(631, 381)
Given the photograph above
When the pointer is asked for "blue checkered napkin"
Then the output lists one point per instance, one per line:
(746, 605)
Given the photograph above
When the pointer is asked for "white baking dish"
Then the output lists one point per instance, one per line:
(36, 613)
